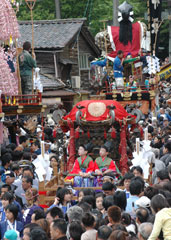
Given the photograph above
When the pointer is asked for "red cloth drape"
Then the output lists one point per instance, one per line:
(71, 159)
(133, 47)
(120, 112)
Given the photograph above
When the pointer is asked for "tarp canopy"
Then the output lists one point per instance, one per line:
(96, 110)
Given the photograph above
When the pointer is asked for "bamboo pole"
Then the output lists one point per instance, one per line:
(31, 4)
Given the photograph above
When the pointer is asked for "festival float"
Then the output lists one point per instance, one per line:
(135, 39)
(13, 102)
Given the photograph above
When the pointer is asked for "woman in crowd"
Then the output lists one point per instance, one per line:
(160, 208)
(32, 198)
(63, 199)
(11, 222)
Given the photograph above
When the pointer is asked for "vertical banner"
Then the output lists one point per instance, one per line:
(154, 20)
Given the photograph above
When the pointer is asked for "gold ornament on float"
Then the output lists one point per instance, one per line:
(96, 109)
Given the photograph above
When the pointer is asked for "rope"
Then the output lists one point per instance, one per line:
(85, 12)
(90, 12)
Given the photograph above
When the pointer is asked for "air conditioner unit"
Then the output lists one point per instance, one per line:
(75, 81)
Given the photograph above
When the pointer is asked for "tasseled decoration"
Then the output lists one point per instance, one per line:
(113, 132)
(105, 134)
(77, 133)
(54, 133)
(88, 133)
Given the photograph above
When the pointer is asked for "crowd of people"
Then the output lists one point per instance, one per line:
(131, 209)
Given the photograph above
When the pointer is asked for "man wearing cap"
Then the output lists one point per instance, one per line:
(9, 178)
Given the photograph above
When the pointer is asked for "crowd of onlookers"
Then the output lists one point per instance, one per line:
(132, 209)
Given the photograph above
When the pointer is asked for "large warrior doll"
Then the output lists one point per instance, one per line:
(103, 165)
(82, 169)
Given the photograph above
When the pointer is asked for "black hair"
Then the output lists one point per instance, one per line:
(27, 46)
(142, 214)
(37, 143)
(98, 216)
(48, 131)
(98, 195)
(135, 187)
(150, 130)
(28, 168)
(104, 232)
(6, 158)
(38, 233)
(31, 226)
(108, 186)
(13, 209)
(61, 194)
(17, 155)
(90, 200)
(55, 211)
(56, 158)
(150, 192)
(60, 224)
(119, 199)
(75, 230)
(141, 180)
(87, 191)
(28, 179)
(105, 147)
(107, 202)
(6, 186)
(15, 167)
(26, 156)
(22, 139)
(119, 52)
(163, 174)
(139, 169)
(126, 218)
(168, 146)
(8, 196)
(159, 202)
(39, 214)
(12, 146)
(85, 206)
(88, 220)
(128, 175)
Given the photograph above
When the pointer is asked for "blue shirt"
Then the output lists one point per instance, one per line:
(130, 201)
(118, 68)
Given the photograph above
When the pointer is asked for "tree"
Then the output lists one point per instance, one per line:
(93, 10)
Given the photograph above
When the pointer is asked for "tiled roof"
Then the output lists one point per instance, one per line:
(50, 83)
(50, 34)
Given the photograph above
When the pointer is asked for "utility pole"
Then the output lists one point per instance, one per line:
(169, 6)
(170, 40)
(57, 9)
(115, 12)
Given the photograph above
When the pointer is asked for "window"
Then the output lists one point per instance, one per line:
(84, 62)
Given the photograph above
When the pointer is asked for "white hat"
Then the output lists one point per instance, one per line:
(143, 202)
(38, 130)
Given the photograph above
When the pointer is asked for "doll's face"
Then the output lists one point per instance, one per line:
(82, 151)
(99, 203)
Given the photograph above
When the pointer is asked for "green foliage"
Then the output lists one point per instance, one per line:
(43, 10)
(94, 10)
